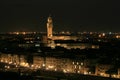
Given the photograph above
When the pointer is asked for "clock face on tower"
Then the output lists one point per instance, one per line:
(49, 20)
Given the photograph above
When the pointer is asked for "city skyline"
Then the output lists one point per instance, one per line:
(69, 15)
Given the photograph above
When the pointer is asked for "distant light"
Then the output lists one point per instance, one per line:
(73, 62)
(100, 35)
(79, 67)
(64, 71)
(75, 66)
(50, 66)
(8, 67)
(81, 63)
(16, 66)
(110, 32)
(32, 65)
(103, 34)
(1, 60)
(89, 72)
(38, 37)
(91, 32)
(43, 65)
(37, 45)
(17, 33)
(10, 62)
(87, 38)
(99, 40)
(23, 33)
(117, 36)
(85, 73)
(55, 69)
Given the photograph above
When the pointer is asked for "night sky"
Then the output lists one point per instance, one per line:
(68, 15)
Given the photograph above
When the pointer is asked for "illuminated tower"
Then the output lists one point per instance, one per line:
(49, 27)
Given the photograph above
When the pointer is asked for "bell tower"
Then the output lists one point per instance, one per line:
(49, 27)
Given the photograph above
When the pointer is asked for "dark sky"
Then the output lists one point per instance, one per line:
(68, 15)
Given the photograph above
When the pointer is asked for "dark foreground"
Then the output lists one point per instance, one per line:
(49, 76)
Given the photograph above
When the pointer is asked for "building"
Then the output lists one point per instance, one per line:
(102, 68)
(50, 39)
